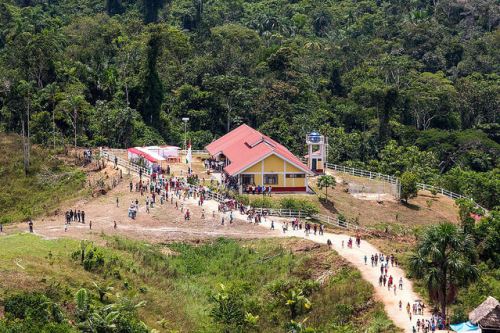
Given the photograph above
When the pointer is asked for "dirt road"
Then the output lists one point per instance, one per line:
(356, 256)
(165, 223)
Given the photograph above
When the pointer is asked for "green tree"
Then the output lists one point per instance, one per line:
(430, 97)
(152, 87)
(324, 182)
(444, 259)
(408, 182)
(150, 9)
(487, 235)
(229, 311)
(114, 7)
(466, 208)
(72, 104)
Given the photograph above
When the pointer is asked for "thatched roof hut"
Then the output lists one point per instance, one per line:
(487, 315)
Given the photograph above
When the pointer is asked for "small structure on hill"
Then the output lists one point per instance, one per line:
(153, 156)
(316, 160)
(251, 160)
(487, 316)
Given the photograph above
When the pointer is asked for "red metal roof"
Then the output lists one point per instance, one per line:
(245, 146)
(142, 154)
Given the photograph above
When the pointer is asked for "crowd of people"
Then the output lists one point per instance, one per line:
(252, 189)
(165, 189)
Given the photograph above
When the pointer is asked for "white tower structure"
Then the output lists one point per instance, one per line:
(317, 149)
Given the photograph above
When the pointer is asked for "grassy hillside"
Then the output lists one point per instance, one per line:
(48, 182)
(180, 282)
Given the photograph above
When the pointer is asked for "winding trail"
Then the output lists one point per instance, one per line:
(355, 256)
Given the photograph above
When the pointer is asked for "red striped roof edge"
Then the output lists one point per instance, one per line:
(245, 146)
(147, 156)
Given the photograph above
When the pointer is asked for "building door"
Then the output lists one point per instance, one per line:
(314, 164)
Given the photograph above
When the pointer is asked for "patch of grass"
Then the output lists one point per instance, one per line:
(48, 183)
(177, 286)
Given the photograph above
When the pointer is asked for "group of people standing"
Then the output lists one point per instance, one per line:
(75, 216)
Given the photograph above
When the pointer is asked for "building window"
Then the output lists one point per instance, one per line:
(270, 179)
(295, 175)
(247, 179)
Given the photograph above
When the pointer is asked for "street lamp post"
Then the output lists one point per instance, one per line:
(185, 120)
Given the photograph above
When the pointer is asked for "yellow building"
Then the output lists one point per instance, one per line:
(252, 159)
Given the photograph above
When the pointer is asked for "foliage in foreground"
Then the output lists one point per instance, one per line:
(444, 260)
(267, 288)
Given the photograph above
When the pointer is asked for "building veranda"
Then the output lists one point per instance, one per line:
(251, 162)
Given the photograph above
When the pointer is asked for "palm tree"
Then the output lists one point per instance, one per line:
(296, 302)
(325, 182)
(444, 260)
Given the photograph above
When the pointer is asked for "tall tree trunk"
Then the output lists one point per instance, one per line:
(28, 147)
(444, 295)
(53, 124)
(25, 148)
(228, 117)
(74, 124)
(126, 94)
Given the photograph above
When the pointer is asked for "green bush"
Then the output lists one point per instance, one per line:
(28, 306)
(91, 257)
(303, 205)
(243, 198)
(33, 326)
(263, 202)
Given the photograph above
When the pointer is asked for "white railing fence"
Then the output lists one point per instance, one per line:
(395, 181)
(362, 173)
(132, 167)
(290, 213)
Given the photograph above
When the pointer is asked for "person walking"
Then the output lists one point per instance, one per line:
(272, 225)
(30, 226)
(90, 225)
(115, 225)
(401, 283)
(83, 217)
(366, 259)
(117, 202)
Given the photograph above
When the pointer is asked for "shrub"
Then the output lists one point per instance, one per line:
(263, 202)
(244, 199)
(90, 256)
(28, 306)
(307, 207)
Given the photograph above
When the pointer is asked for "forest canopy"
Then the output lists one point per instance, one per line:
(397, 85)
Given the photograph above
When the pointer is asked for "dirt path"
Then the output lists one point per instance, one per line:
(356, 256)
(165, 223)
